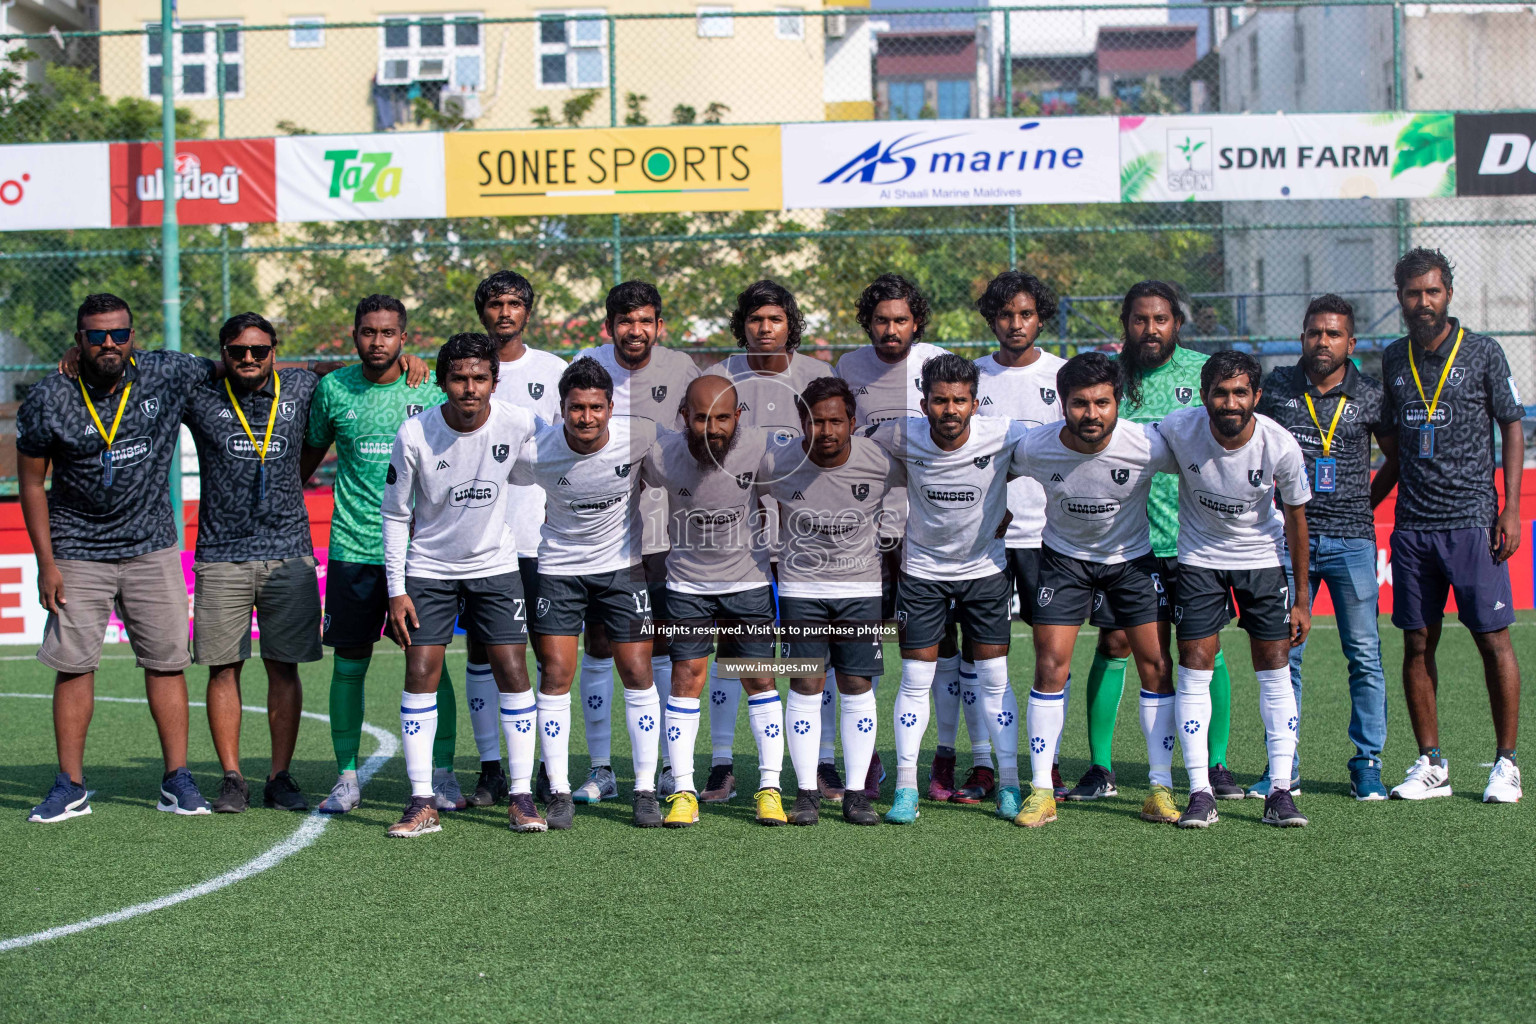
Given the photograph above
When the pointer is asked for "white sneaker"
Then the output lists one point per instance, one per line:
(446, 795)
(344, 796)
(600, 785)
(1425, 781)
(666, 785)
(1503, 783)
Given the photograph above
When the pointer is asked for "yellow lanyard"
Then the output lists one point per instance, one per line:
(1429, 420)
(90, 406)
(266, 442)
(1332, 427)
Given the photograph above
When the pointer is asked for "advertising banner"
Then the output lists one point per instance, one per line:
(217, 182)
(1497, 158)
(951, 163)
(59, 186)
(612, 170)
(360, 177)
(1286, 156)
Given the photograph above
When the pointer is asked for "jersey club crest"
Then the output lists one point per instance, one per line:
(499, 452)
(1183, 395)
(860, 492)
(659, 393)
(535, 390)
(981, 463)
(1119, 476)
(1048, 396)
(1255, 476)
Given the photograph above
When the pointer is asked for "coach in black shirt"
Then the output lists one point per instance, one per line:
(253, 549)
(1447, 388)
(104, 537)
(1333, 410)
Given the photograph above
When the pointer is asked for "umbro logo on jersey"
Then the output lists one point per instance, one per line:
(224, 414)
(563, 482)
(798, 496)
(1119, 476)
(412, 410)
(499, 452)
(1056, 478)
(659, 393)
(986, 400)
(743, 407)
(1194, 469)
(1183, 395)
(684, 493)
(1048, 396)
(918, 462)
(1398, 383)
(744, 480)
(535, 390)
(1254, 476)
(442, 463)
(351, 414)
(1293, 404)
(860, 492)
(981, 463)
(862, 391)
(89, 430)
(623, 471)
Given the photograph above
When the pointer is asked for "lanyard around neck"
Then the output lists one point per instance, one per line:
(266, 442)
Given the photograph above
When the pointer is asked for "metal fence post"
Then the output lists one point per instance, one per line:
(170, 233)
(1399, 102)
(613, 122)
(1008, 63)
(223, 228)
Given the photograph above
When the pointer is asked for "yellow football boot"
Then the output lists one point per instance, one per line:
(682, 810)
(1039, 809)
(770, 808)
(1159, 807)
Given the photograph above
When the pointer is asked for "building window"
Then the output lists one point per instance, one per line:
(955, 98)
(442, 48)
(716, 23)
(198, 56)
(906, 100)
(306, 33)
(572, 51)
(789, 23)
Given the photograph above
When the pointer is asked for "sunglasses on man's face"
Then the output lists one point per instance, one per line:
(97, 337)
(258, 353)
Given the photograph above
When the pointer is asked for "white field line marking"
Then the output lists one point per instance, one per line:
(314, 824)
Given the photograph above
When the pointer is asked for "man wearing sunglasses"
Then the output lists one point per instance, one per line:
(104, 537)
(253, 549)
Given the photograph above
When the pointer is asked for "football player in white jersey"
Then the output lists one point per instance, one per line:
(1095, 471)
(957, 471)
(589, 570)
(885, 377)
(767, 323)
(648, 383)
(830, 487)
(1017, 381)
(1233, 540)
(449, 552)
(528, 377)
(718, 583)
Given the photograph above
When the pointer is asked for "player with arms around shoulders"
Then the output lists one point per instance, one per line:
(1233, 540)
(449, 553)
(1095, 472)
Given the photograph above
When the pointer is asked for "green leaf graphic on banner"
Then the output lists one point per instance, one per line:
(1426, 140)
(1136, 175)
(1447, 186)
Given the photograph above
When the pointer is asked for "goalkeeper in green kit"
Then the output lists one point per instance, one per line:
(1160, 376)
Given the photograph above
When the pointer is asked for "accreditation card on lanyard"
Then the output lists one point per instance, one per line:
(1427, 431)
(1327, 467)
(107, 435)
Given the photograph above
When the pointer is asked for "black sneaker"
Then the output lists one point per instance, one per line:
(1201, 812)
(1223, 785)
(807, 809)
(491, 788)
(234, 794)
(1280, 810)
(541, 791)
(560, 812)
(647, 810)
(1097, 782)
(856, 809)
(284, 794)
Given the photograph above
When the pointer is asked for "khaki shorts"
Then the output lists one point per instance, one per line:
(149, 594)
(286, 595)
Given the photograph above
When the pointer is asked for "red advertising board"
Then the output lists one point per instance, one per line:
(216, 182)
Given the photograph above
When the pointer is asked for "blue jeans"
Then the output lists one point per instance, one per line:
(1349, 568)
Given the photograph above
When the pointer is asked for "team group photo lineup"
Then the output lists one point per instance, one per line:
(631, 535)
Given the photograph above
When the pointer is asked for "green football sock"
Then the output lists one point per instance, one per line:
(347, 675)
(447, 721)
(1106, 683)
(1221, 710)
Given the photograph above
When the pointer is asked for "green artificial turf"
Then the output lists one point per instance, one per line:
(1386, 911)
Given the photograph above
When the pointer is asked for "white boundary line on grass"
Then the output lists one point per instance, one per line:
(314, 824)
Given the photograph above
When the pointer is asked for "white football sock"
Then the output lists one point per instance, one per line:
(911, 718)
(682, 734)
(1277, 709)
(803, 715)
(519, 717)
(555, 738)
(765, 713)
(661, 676)
(1157, 728)
(946, 699)
(859, 727)
(481, 695)
(976, 717)
(642, 716)
(1002, 722)
(1192, 718)
(724, 704)
(418, 731)
(597, 707)
(1047, 715)
(1066, 702)
(827, 750)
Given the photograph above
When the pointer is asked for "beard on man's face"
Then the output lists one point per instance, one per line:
(1321, 363)
(1231, 424)
(710, 450)
(1150, 353)
(1424, 327)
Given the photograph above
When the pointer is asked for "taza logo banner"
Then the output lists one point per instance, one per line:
(58, 186)
(1496, 154)
(613, 170)
(216, 182)
(360, 177)
(951, 163)
(1286, 156)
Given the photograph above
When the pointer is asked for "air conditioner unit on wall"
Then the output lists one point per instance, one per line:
(835, 26)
